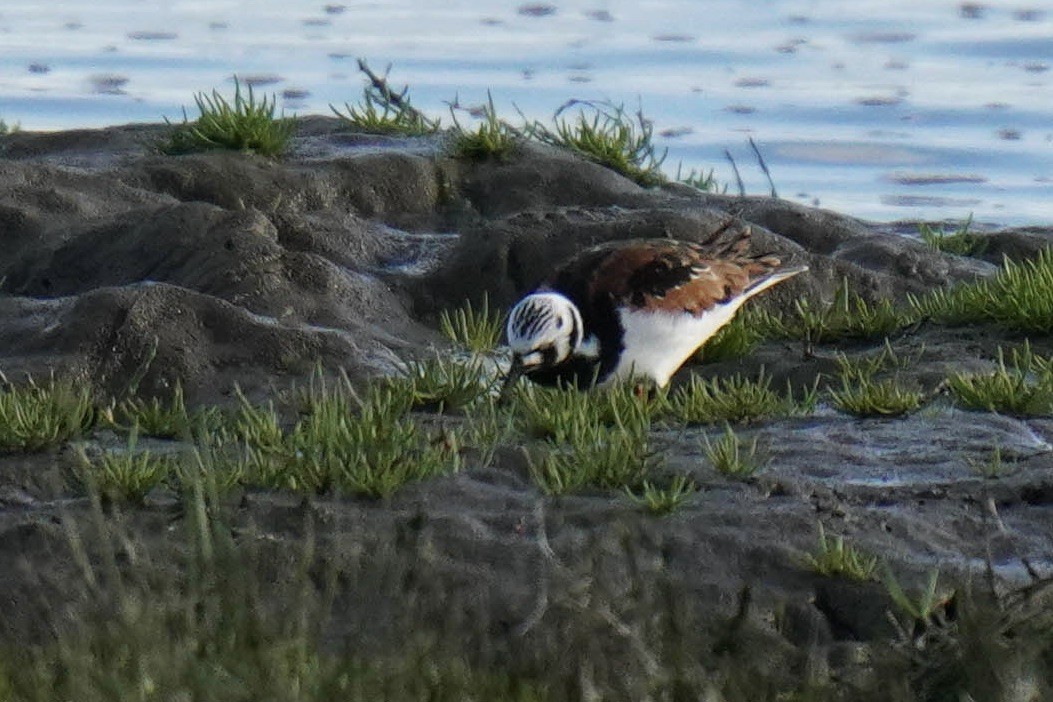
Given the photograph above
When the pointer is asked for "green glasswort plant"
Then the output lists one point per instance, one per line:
(596, 456)
(733, 399)
(960, 241)
(863, 395)
(849, 316)
(992, 468)
(440, 385)
(731, 457)
(352, 444)
(735, 339)
(661, 501)
(1018, 298)
(1023, 387)
(835, 557)
(700, 180)
(34, 417)
(559, 414)
(492, 138)
(166, 420)
(606, 134)
(925, 609)
(246, 124)
(125, 476)
(478, 330)
(383, 112)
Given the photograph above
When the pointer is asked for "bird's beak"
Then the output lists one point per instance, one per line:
(515, 372)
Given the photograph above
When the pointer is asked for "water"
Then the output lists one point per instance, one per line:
(884, 109)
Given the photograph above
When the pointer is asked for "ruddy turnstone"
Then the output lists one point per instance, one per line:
(636, 308)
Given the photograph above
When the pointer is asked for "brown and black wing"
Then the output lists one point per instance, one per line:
(659, 274)
(663, 274)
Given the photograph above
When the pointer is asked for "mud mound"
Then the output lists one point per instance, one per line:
(128, 269)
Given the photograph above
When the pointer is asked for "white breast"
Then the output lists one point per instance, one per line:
(656, 344)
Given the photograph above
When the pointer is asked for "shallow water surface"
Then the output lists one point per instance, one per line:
(887, 110)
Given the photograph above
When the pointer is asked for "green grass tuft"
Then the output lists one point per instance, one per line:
(1018, 298)
(441, 385)
(346, 443)
(959, 242)
(166, 420)
(835, 557)
(730, 457)
(849, 316)
(736, 339)
(610, 137)
(125, 476)
(1023, 387)
(377, 114)
(492, 138)
(596, 456)
(35, 417)
(733, 399)
(663, 501)
(478, 330)
(864, 396)
(246, 124)
(559, 414)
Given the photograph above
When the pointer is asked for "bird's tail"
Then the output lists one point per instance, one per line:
(771, 278)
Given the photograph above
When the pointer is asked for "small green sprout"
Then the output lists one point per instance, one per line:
(166, 420)
(560, 414)
(735, 339)
(864, 396)
(441, 385)
(700, 180)
(992, 468)
(926, 609)
(362, 445)
(849, 316)
(835, 557)
(662, 501)
(731, 457)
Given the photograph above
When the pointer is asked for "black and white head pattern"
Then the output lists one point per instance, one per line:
(544, 329)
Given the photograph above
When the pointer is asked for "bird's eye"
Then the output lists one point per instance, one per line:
(559, 322)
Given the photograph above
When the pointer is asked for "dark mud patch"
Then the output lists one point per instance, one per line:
(222, 271)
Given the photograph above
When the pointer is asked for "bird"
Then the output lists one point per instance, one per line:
(635, 309)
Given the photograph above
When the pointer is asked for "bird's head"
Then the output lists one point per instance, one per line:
(544, 329)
